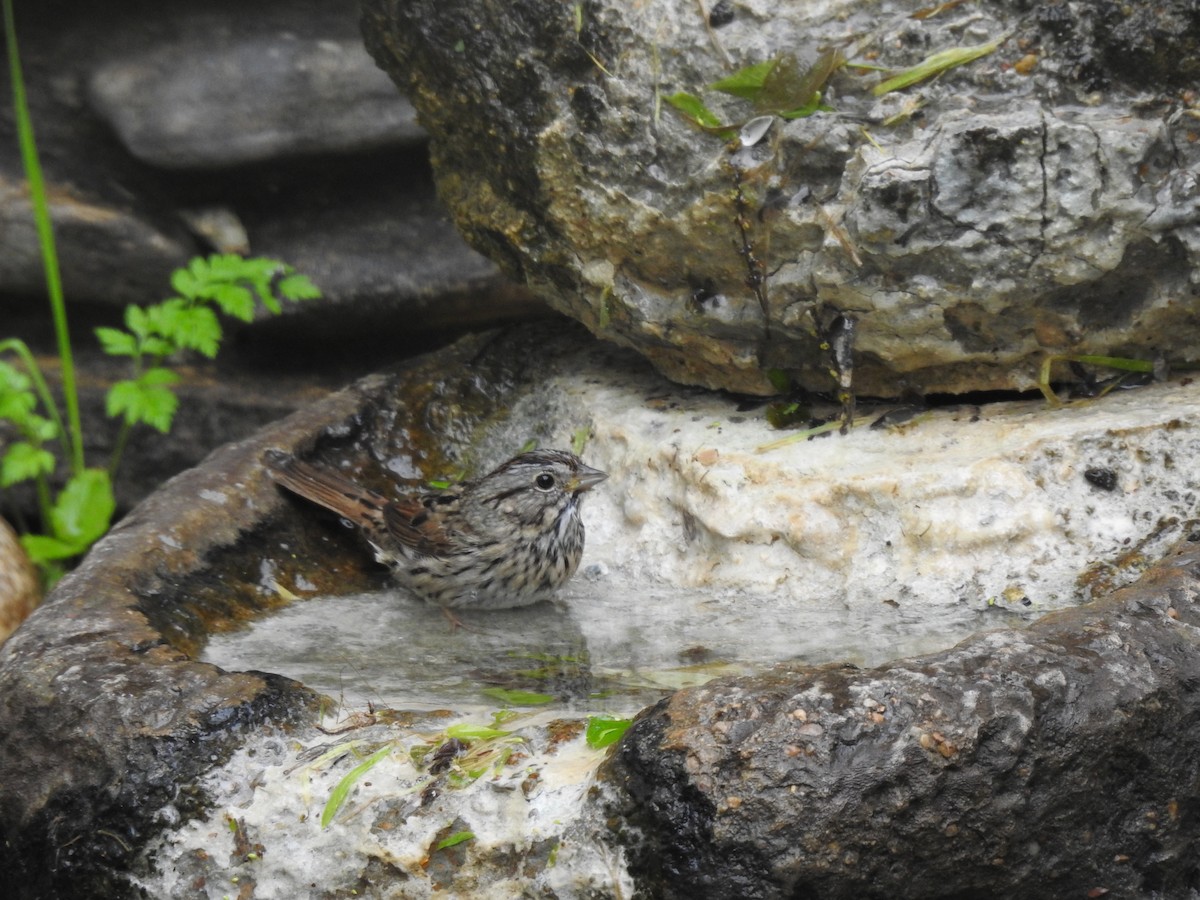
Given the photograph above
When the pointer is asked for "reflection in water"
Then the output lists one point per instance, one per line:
(604, 647)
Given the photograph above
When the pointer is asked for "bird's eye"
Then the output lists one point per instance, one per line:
(545, 481)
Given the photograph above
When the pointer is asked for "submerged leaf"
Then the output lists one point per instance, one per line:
(604, 730)
(747, 82)
(338, 795)
(468, 733)
(518, 698)
(693, 107)
(792, 91)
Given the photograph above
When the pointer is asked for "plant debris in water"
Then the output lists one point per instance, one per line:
(603, 731)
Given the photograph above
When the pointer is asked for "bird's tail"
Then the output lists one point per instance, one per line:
(327, 488)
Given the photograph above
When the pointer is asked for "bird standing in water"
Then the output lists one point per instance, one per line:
(510, 538)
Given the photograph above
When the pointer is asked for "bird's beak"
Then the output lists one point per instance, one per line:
(585, 479)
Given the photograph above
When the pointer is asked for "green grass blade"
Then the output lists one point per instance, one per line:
(45, 233)
(339, 794)
(935, 65)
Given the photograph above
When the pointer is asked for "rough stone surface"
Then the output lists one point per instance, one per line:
(1042, 199)
(110, 248)
(1064, 752)
(171, 131)
(185, 105)
(1047, 763)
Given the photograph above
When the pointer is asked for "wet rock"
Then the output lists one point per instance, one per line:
(1038, 763)
(1026, 752)
(972, 224)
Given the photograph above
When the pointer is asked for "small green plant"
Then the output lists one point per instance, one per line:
(80, 513)
(72, 519)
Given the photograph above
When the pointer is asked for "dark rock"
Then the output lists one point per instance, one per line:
(107, 722)
(168, 132)
(185, 105)
(108, 248)
(1034, 763)
(1043, 763)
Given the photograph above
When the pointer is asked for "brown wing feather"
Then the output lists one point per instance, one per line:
(329, 489)
(418, 526)
(407, 520)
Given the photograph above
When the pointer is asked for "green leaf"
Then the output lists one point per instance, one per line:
(935, 65)
(17, 399)
(184, 282)
(780, 380)
(468, 733)
(693, 107)
(194, 328)
(13, 379)
(267, 298)
(42, 549)
(518, 698)
(298, 287)
(83, 510)
(17, 406)
(162, 318)
(458, 837)
(337, 797)
(156, 347)
(234, 300)
(39, 429)
(148, 399)
(137, 321)
(24, 461)
(747, 82)
(115, 342)
(604, 730)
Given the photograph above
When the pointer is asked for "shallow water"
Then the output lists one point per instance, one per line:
(604, 646)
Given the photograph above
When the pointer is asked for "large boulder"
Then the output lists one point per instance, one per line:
(1040, 199)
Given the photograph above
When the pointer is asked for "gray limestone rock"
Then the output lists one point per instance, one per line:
(1041, 199)
(226, 99)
